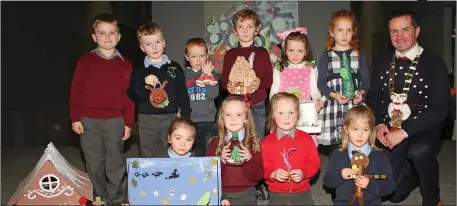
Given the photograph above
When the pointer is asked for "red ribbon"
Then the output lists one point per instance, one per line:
(247, 100)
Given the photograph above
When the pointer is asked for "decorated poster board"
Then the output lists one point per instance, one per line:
(275, 16)
(174, 181)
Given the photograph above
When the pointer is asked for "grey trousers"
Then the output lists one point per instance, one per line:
(104, 154)
(153, 130)
(246, 197)
(302, 198)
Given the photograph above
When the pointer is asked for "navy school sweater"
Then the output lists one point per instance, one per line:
(175, 88)
(378, 165)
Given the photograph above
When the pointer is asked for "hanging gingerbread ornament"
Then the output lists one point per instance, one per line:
(158, 96)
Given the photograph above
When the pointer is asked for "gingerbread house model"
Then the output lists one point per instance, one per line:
(53, 181)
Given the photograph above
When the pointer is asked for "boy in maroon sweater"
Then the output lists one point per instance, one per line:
(289, 155)
(100, 111)
(246, 26)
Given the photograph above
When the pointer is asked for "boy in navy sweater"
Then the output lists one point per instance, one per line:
(359, 136)
(100, 111)
(157, 71)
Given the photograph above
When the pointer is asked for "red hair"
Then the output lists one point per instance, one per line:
(343, 14)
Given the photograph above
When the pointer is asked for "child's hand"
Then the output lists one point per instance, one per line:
(362, 181)
(207, 67)
(127, 132)
(347, 173)
(229, 87)
(244, 153)
(225, 202)
(226, 153)
(296, 175)
(319, 105)
(280, 175)
(255, 84)
(358, 98)
(151, 80)
(77, 127)
(340, 98)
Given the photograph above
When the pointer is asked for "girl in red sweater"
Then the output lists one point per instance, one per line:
(235, 121)
(289, 155)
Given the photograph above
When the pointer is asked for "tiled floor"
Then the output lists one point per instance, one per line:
(18, 162)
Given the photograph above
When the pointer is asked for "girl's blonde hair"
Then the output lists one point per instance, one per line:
(251, 139)
(343, 14)
(274, 101)
(361, 111)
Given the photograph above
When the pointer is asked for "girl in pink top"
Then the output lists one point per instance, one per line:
(296, 73)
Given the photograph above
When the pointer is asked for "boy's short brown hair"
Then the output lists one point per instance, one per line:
(147, 29)
(246, 14)
(104, 18)
(197, 41)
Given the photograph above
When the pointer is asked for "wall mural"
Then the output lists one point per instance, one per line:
(275, 16)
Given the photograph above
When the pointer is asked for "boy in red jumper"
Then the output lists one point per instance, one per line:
(246, 25)
(235, 120)
(289, 155)
(100, 111)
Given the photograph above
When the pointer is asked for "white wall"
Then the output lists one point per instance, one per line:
(183, 20)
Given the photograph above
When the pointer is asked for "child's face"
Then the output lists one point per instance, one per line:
(153, 45)
(245, 30)
(285, 115)
(234, 116)
(342, 32)
(296, 51)
(106, 35)
(196, 55)
(358, 132)
(181, 140)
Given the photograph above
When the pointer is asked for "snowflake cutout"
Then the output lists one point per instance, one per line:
(156, 193)
(183, 197)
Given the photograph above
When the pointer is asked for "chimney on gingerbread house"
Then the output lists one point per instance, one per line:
(53, 181)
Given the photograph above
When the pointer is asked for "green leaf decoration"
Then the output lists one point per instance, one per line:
(135, 164)
(134, 183)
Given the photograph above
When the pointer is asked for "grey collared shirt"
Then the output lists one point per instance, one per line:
(281, 134)
(116, 53)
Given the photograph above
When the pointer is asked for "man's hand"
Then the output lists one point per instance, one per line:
(151, 80)
(207, 67)
(381, 130)
(395, 138)
(127, 132)
(362, 181)
(296, 175)
(77, 127)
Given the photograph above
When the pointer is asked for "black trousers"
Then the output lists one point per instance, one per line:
(414, 164)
